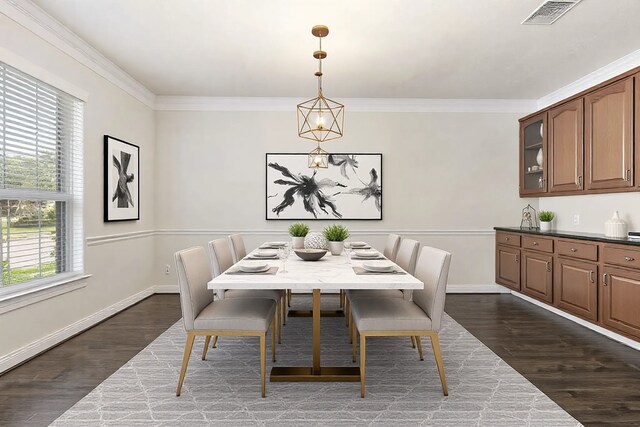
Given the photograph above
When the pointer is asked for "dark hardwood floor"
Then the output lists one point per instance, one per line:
(595, 379)
(39, 391)
(592, 377)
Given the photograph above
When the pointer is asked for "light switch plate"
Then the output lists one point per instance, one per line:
(576, 219)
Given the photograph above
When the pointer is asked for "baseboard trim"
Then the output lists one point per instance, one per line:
(609, 334)
(165, 289)
(488, 288)
(32, 350)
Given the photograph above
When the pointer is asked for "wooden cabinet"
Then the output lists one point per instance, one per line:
(508, 266)
(621, 300)
(537, 275)
(533, 155)
(566, 140)
(609, 136)
(576, 287)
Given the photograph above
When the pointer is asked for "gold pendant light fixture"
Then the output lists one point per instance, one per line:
(320, 119)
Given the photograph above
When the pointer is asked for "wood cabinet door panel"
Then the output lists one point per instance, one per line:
(576, 288)
(537, 276)
(566, 142)
(609, 136)
(508, 267)
(577, 249)
(509, 239)
(621, 255)
(621, 300)
(537, 243)
(533, 182)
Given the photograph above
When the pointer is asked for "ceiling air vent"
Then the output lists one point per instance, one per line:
(549, 12)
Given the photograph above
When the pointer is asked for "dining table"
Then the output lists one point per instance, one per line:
(331, 272)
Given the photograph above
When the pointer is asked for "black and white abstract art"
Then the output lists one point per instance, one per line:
(350, 188)
(121, 180)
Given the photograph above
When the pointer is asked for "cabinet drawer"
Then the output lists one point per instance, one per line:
(537, 244)
(619, 255)
(580, 250)
(510, 239)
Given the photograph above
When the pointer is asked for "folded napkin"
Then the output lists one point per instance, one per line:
(261, 258)
(270, 271)
(366, 258)
(362, 271)
(270, 247)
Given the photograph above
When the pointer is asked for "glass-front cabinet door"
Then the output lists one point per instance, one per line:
(533, 155)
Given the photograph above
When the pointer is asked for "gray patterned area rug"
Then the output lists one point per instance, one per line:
(224, 390)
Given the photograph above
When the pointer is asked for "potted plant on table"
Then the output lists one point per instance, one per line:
(546, 218)
(336, 235)
(298, 231)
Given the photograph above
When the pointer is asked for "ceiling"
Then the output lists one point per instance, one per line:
(447, 49)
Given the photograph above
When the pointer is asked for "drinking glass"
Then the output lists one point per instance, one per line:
(283, 253)
(347, 251)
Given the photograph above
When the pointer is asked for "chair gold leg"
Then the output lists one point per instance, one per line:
(274, 322)
(206, 347)
(435, 343)
(215, 342)
(185, 360)
(263, 362)
(419, 343)
(413, 342)
(363, 350)
(277, 323)
(353, 342)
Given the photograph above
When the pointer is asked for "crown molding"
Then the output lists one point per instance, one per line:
(39, 22)
(373, 105)
(594, 78)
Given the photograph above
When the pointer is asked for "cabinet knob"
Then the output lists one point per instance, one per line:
(535, 243)
(574, 250)
(506, 238)
(629, 258)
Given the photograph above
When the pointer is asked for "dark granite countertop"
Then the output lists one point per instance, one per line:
(573, 235)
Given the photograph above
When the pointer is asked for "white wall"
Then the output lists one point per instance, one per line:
(594, 210)
(448, 179)
(119, 269)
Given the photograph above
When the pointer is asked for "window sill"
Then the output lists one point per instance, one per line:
(24, 297)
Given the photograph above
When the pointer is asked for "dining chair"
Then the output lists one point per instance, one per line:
(391, 247)
(228, 317)
(406, 259)
(221, 260)
(237, 247)
(421, 317)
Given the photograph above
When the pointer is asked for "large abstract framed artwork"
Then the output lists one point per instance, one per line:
(350, 188)
(121, 180)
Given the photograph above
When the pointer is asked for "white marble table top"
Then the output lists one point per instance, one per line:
(330, 272)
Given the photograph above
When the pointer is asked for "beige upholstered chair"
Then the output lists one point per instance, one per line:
(221, 260)
(391, 247)
(228, 317)
(237, 247)
(406, 259)
(382, 317)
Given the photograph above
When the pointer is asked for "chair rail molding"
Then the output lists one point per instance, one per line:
(424, 232)
(118, 237)
(39, 22)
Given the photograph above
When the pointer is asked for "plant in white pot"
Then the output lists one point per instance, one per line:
(298, 231)
(546, 220)
(336, 235)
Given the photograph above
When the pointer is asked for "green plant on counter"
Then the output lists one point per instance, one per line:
(298, 229)
(336, 233)
(546, 216)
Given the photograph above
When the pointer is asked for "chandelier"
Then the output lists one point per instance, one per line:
(320, 119)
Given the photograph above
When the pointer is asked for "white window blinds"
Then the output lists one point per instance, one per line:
(40, 179)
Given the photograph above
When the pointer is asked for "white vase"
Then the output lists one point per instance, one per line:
(545, 226)
(540, 158)
(298, 242)
(336, 248)
(615, 227)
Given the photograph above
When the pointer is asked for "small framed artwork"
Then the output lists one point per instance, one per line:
(349, 188)
(121, 180)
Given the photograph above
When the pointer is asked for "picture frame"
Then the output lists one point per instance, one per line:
(121, 180)
(350, 188)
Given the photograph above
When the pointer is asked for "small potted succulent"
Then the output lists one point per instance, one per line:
(298, 231)
(336, 235)
(546, 218)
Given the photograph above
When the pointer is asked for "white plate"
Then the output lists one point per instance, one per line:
(366, 253)
(253, 268)
(378, 267)
(276, 243)
(358, 244)
(265, 254)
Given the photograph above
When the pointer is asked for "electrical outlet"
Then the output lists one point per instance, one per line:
(576, 219)
(167, 269)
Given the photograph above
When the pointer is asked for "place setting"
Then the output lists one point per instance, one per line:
(253, 268)
(368, 268)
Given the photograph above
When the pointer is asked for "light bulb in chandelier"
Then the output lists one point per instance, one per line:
(318, 158)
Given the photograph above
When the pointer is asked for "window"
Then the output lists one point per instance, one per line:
(40, 182)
